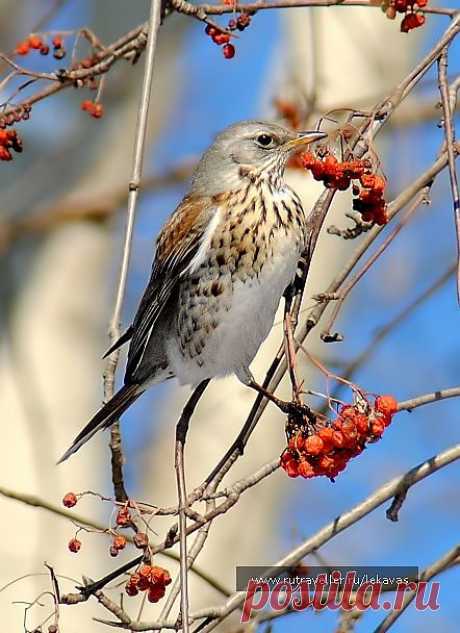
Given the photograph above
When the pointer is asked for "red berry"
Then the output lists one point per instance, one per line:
(387, 405)
(131, 590)
(22, 48)
(119, 542)
(306, 470)
(123, 517)
(377, 428)
(221, 38)
(57, 41)
(35, 41)
(337, 439)
(289, 464)
(156, 592)
(70, 500)
(314, 445)
(5, 154)
(145, 571)
(243, 21)
(44, 49)
(362, 424)
(160, 575)
(326, 434)
(228, 51)
(74, 545)
(87, 105)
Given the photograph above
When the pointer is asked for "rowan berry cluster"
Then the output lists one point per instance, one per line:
(94, 109)
(312, 452)
(149, 578)
(369, 200)
(40, 43)
(412, 19)
(20, 113)
(223, 39)
(9, 139)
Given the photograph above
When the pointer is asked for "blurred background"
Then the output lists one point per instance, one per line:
(61, 229)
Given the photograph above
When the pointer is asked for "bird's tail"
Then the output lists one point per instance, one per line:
(105, 417)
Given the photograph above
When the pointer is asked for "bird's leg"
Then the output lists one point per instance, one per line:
(181, 434)
(247, 378)
(291, 356)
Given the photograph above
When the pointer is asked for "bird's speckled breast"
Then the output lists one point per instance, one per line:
(228, 304)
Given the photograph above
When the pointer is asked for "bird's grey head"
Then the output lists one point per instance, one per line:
(243, 149)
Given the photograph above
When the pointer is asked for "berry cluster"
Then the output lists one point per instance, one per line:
(94, 109)
(149, 578)
(334, 174)
(223, 39)
(369, 200)
(412, 19)
(9, 140)
(37, 42)
(327, 450)
(20, 113)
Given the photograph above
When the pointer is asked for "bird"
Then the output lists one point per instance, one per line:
(223, 261)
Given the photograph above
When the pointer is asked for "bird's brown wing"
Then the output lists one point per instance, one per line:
(177, 244)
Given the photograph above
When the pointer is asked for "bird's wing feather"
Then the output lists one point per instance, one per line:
(178, 244)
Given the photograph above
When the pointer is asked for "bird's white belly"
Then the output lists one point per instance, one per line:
(232, 345)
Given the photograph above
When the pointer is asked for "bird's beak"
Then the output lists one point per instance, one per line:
(304, 138)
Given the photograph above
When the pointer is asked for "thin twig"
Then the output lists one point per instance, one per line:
(445, 562)
(134, 186)
(449, 133)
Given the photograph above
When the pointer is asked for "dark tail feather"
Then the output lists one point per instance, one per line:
(105, 417)
(124, 338)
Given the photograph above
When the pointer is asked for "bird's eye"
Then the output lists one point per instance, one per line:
(264, 140)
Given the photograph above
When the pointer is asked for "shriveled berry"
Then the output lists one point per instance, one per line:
(141, 540)
(113, 551)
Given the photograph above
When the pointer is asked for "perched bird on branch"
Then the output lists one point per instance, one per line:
(223, 261)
